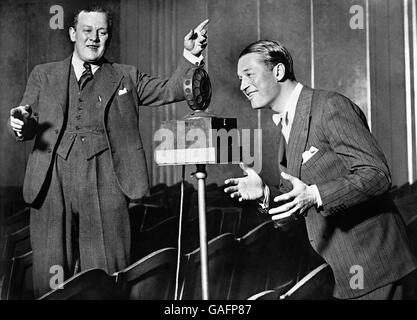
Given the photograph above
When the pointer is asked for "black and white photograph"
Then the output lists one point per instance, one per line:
(188, 151)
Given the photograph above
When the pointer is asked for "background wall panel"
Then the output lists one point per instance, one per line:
(150, 34)
(388, 84)
(289, 23)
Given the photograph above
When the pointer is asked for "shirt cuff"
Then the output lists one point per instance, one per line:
(264, 203)
(192, 58)
(316, 192)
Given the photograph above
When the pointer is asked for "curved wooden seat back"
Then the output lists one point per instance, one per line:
(18, 283)
(92, 284)
(221, 252)
(162, 235)
(150, 278)
(17, 243)
(191, 233)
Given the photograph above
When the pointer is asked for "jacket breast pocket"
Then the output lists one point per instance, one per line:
(314, 160)
(125, 99)
(324, 165)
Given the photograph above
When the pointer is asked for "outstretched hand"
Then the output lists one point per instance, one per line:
(297, 201)
(250, 187)
(19, 118)
(196, 40)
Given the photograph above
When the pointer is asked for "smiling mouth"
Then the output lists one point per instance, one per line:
(250, 94)
(93, 47)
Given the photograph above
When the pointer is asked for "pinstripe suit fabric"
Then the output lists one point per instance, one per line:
(358, 224)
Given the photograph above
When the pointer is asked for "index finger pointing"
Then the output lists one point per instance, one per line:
(202, 25)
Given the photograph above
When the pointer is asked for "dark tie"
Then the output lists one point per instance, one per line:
(282, 147)
(86, 76)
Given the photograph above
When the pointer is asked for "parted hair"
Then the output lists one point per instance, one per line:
(273, 52)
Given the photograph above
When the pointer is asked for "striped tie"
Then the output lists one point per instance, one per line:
(86, 76)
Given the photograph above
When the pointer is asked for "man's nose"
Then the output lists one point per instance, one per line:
(243, 84)
(95, 37)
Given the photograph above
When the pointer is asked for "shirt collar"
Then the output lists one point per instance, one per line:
(289, 111)
(78, 65)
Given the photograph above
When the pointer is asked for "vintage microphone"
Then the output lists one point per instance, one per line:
(200, 138)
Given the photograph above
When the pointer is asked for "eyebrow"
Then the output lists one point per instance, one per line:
(244, 71)
(89, 26)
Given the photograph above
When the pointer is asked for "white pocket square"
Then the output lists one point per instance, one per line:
(122, 91)
(309, 153)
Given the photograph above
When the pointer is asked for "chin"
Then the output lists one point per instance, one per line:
(256, 106)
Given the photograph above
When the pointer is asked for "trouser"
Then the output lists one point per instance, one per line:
(83, 217)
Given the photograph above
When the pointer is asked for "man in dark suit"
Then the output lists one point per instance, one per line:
(88, 160)
(333, 173)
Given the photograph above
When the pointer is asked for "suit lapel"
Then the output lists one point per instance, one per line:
(299, 132)
(111, 83)
(59, 82)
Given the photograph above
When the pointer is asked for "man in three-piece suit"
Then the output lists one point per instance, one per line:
(334, 175)
(88, 160)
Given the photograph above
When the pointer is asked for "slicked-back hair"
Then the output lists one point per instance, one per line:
(94, 8)
(273, 52)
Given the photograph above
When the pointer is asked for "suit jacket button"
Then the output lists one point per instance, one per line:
(49, 150)
(56, 131)
(35, 114)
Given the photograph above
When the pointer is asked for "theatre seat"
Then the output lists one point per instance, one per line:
(265, 295)
(265, 261)
(93, 284)
(191, 230)
(221, 252)
(17, 281)
(17, 243)
(162, 235)
(316, 285)
(150, 278)
(15, 222)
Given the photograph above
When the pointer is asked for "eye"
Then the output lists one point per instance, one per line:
(103, 33)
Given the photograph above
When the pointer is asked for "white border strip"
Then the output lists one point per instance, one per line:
(258, 34)
(312, 42)
(415, 74)
(408, 94)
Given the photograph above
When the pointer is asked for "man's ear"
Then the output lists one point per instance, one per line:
(71, 32)
(279, 72)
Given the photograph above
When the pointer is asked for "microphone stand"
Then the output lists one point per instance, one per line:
(201, 175)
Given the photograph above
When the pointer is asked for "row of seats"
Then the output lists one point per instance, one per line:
(263, 259)
(235, 233)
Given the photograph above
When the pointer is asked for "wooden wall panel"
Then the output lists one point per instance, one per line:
(289, 23)
(340, 52)
(388, 84)
(233, 25)
(13, 76)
